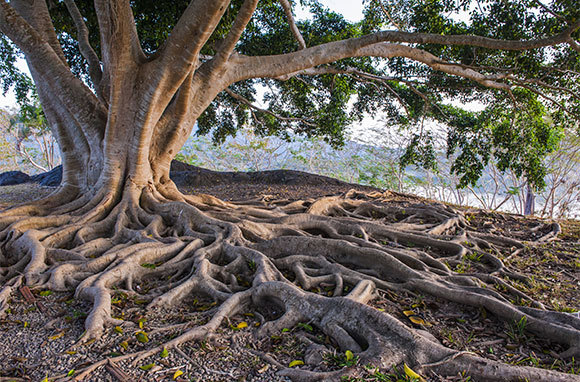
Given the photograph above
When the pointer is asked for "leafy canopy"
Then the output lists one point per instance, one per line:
(515, 129)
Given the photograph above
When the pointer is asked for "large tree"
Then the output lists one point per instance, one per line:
(123, 101)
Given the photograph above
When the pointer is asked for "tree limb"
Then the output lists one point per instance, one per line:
(280, 65)
(293, 28)
(248, 103)
(227, 46)
(120, 44)
(85, 46)
(276, 67)
(74, 94)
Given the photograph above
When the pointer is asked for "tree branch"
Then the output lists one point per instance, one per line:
(85, 46)
(293, 28)
(46, 63)
(227, 46)
(248, 103)
(120, 44)
(194, 28)
(280, 65)
(271, 66)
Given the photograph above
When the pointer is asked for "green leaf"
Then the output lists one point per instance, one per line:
(142, 337)
(70, 373)
(45, 293)
(119, 329)
(164, 353)
(147, 367)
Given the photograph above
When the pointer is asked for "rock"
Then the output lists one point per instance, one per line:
(10, 178)
(51, 178)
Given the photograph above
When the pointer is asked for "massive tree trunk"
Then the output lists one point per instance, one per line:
(117, 208)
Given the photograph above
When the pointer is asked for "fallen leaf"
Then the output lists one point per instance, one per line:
(56, 336)
(296, 362)
(119, 329)
(142, 337)
(409, 313)
(141, 322)
(242, 325)
(177, 374)
(164, 353)
(264, 369)
(410, 373)
(70, 373)
(147, 367)
(124, 345)
(70, 352)
(348, 355)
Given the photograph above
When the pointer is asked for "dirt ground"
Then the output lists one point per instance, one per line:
(37, 338)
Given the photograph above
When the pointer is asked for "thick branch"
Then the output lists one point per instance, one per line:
(74, 94)
(194, 28)
(280, 65)
(119, 40)
(274, 69)
(227, 46)
(85, 46)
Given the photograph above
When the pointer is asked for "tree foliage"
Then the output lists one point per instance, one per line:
(517, 128)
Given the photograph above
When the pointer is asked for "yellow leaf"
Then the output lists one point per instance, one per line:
(70, 352)
(45, 379)
(410, 373)
(124, 345)
(56, 336)
(418, 321)
(349, 355)
(164, 353)
(141, 321)
(409, 313)
(296, 362)
(242, 325)
(177, 374)
(119, 329)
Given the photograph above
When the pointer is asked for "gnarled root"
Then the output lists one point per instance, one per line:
(283, 255)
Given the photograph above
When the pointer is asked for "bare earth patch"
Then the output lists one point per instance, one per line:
(36, 334)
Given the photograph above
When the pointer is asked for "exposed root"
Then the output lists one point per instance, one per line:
(253, 255)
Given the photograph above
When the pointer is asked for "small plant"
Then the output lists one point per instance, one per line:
(474, 256)
(517, 329)
(347, 359)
